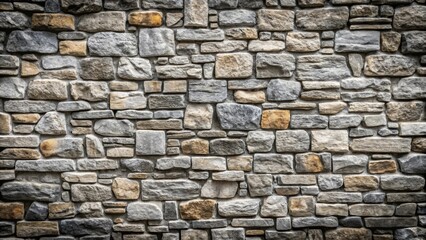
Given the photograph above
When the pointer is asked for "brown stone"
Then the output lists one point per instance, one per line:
(275, 119)
(287, 190)
(53, 21)
(240, 163)
(197, 209)
(301, 206)
(29, 69)
(74, 48)
(405, 111)
(37, 228)
(60, 210)
(146, 18)
(309, 163)
(20, 153)
(195, 146)
(5, 124)
(390, 41)
(361, 183)
(382, 166)
(26, 118)
(12, 211)
(125, 189)
(349, 234)
(242, 96)
(254, 232)
(418, 144)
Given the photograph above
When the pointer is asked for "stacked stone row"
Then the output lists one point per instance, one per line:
(219, 119)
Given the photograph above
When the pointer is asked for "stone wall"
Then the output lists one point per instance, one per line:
(213, 120)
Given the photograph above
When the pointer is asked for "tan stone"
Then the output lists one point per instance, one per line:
(53, 21)
(287, 190)
(310, 163)
(390, 41)
(198, 116)
(275, 119)
(120, 152)
(382, 166)
(195, 146)
(152, 86)
(418, 144)
(125, 189)
(350, 234)
(62, 74)
(146, 18)
(123, 86)
(20, 153)
(330, 108)
(12, 211)
(61, 210)
(240, 163)
(254, 232)
(233, 65)
(29, 69)
(241, 33)
(242, 96)
(175, 86)
(197, 209)
(74, 48)
(26, 118)
(5, 123)
(301, 206)
(36, 228)
(361, 183)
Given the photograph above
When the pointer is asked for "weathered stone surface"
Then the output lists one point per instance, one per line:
(89, 91)
(219, 189)
(47, 89)
(52, 123)
(235, 65)
(410, 88)
(381, 145)
(274, 65)
(150, 142)
(81, 6)
(237, 18)
(12, 211)
(238, 116)
(347, 233)
(322, 18)
(302, 42)
(317, 68)
(389, 65)
(273, 163)
(360, 183)
(146, 18)
(134, 69)
(196, 13)
(330, 140)
(412, 42)
(404, 111)
(26, 191)
(357, 41)
(90, 193)
(156, 42)
(390, 41)
(81, 227)
(260, 141)
(199, 35)
(138, 211)
(411, 17)
(45, 165)
(292, 141)
(195, 146)
(275, 119)
(168, 4)
(103, 22)
(13, 88)
(114, 128)
(259, 184)
(308, 121)
(225, 147)
(192, 71)
(62, 147)
(97, 69)
(112, 44)
(36, 229)
(275, 20)
(283, 90)
(401, 183)
(197, 209)
(169, 190)
(60, 210)
(412, 163)
(198, 116)
(238, 208)
(32, 41)
(125, 189)
(301, 206)
(228, 233)
(350, 163)
(13, 20)
(302, 222)
(54, 22)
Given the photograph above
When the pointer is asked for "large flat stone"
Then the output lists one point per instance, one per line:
(26, 191)
(322, 68)
(32, 41)
(238, 116)
(159, 190)
(357, 41)
(389, 65)
(381, 145)
(156, 42)
(81, 227)
(322, 18)
(113, 44)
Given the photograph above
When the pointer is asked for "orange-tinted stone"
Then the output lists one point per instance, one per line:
(195, 146)
(11, 211)
(146, 18)
(275, 119)
(53, 21)
(382, 166)
(74, 48)
(361, 183)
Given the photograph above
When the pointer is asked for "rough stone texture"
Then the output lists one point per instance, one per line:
(212, 119)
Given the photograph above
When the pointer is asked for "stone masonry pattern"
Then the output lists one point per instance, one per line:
(213, 119)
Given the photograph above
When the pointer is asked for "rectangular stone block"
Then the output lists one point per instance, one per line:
(150, 142)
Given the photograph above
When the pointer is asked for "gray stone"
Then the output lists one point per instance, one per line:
(229, 176)
(114, 128)
(239, 208)
(96, 164)
(274, 206)
(81, 227)
(339, 197)
(103, 22)
(410, 233)
(225, 147)
(356, 62)
(303, 222)
(302, 42)
(237, 18)
(112, 44)
(199, 35)
(228, 234)
(413, 163)
(357, 41)
(259, 184)
(47, 89)
(294, 235)
(37, 212)
(156, 42)
(166, 101)
(29, 191)
(97, 69)
(138, 211)
(273, 163)
(14, 20)
(194, 234)
(412, 42)
(410, 88)
(196, 13)
(32, 41)
(47, 165)
(19, 141)
(292, 141)
(223, 4)
(253, 222)
(260, 141)
(238, 116)
(283, 90)
(216, 47)
(9, 62)
(233, 65)
(404, 111)
(159, 190)
(345, 121)
(325, 68)
(322, 18)
(28, 106)
(62, 147)
(121, 4)
(81, 6)
(219, 189)
(180, 162)
(308, 121)
(350, 163)
(371, 210)
(134, 69)
(390, 222)
(401, 183)
(89, 91)
(150, 142)
(58, 62)
(90, 193)
(275, 20)
(362, 83)
(330, 181)
(274, 65)
(389, 65)
(52, 123)
(411, 17)
(192, 71)
(138, 165)
(13, 88)
(381, 145)
(165, 4)
(207, 91)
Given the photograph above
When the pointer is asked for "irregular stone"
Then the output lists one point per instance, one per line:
(225, 46)
(357, 41)
(150, 142)
(74, 48)
(79, 177)
(308, 121)
(317, 68)
(330, 181)
(260, 141)
(156, 42)
(36, 228)
(237, 18)
(61, 210)
(13, 20)
(9, 62)
(32, 41)
(91, 209)
(37, 212)
(389, 65)
(292, 141)
(181, 162)
(89, 91)
(412, 42)
(197, 209)
(228, 233)
(302, 42)
(219, 189)
(238, 116)
(266, 46)
(58, 62)
(404, 111)
(381, 145)
(312, 163)
(159, 190)
(13, 88)
(303, 222)
(209, 163)
(411, 17)
(402, 183)
(29, 191)
(412, 163)
(199, 35)
(242, 96)
(196, 13)
(146, 18)
(114, 128)
(382, 166)
(90, 193)
(235, 65)
(198, 116)
(223, 4)
(52, 123)
(227, 146)
(62, 147)
(112, 44)
(12, 211)
(301, 206)
(103, 22)
(194, 234)
(81, 6)
(347, 233)
(47, 89)
(168, 4)
(274, 206)
(45, 165)
(390, 41)
(274, 65)
(238, 208)
(273, 163)
(140, 211)
(81, 227)
(195, 146)
(276, 235)
(361, 183)
(5, 123)
(241, 33)
(125, 189)
(97, 69)
(350, 163)
(134, 69)
(275, 119)
(322, 18)
(275, 20)
(259, 184)
(410, 88)
(53, 21)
